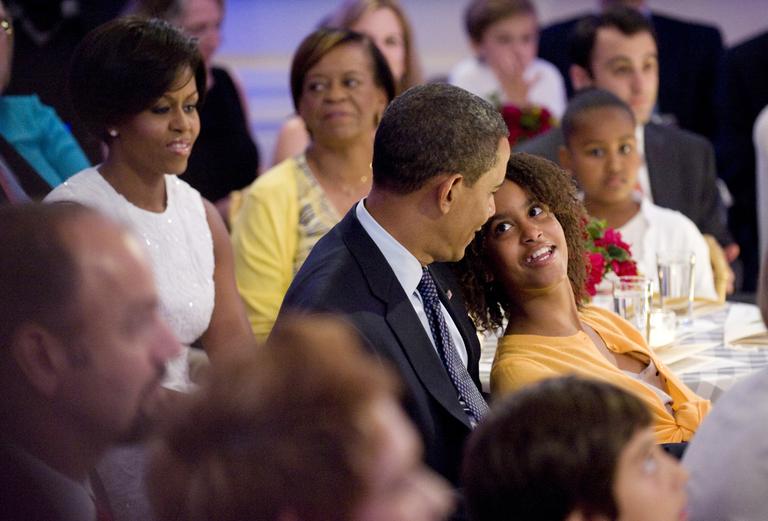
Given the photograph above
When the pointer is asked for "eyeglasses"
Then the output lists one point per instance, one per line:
(7, 26)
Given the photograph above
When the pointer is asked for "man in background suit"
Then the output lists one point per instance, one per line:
(743, 94)
(439, 155)
(689, 58)
(616, 51)
(82, 354)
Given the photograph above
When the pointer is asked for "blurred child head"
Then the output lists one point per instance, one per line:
(600, 147)
(500, 29)
(571, 449)
(307, 428)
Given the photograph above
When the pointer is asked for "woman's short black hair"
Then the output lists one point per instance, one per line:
(123, 66)
(322, 41)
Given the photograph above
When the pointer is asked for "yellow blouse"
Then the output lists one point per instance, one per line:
(283, 214)
(524, 359)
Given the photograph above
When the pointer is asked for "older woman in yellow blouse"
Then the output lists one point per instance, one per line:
(527, 268)
(341, 84)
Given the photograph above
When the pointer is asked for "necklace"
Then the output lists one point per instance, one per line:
(334, 181)
(349, 189)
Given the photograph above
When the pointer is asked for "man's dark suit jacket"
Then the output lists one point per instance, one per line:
(681, 168)
(23, 496)
(742, 95)
(689, 61)
(346, 273)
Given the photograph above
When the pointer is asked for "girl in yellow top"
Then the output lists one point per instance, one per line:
(527, 266)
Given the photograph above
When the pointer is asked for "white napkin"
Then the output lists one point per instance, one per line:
(744, 325)
(675, 353)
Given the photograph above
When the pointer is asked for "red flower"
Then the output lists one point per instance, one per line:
(623, 268)
(526, 122)
(606, 252)
(612, 237)
(595, 271)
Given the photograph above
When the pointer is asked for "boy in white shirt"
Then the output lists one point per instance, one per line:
(601, 152)
(504, 35)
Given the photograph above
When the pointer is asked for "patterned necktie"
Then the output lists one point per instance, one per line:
(469, 396)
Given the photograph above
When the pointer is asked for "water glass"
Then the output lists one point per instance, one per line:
(632, 301)
(663, 322)
(676, 273)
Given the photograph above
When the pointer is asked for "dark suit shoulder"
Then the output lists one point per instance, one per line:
(559, 27)
(322, 282)
(544, 145)
(663, 22)
(675, 136)
(23, 496)
(750, 51)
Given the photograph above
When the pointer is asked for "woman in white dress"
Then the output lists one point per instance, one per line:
(137, 85)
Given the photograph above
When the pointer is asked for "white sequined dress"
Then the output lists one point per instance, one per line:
(180, 246)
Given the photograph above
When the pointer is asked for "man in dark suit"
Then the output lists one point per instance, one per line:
(689, 58)
(616, 51)
(82, 354)
(743, 94)
(439, 155)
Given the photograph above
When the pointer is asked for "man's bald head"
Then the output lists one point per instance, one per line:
(39, 275)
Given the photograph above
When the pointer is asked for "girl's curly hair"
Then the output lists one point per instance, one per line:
(550, 185)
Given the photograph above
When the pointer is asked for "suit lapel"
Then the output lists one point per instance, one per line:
(401, 317)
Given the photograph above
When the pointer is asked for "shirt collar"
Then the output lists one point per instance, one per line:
(404, 264)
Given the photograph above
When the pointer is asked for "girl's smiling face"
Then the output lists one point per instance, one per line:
(524, 243)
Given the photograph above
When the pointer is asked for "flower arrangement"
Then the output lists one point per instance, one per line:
(524, 123)
(606, 253)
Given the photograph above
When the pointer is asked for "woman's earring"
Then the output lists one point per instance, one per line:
(112, 132)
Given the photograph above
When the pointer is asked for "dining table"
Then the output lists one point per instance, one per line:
(721, 344)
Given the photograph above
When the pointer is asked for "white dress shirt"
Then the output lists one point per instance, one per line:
(655, 229)
(547, 91)
(407, 269)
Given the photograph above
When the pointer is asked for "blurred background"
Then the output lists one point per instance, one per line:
(259, 37)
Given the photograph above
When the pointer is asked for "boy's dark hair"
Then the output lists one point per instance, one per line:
(626, 20)
(481, 14)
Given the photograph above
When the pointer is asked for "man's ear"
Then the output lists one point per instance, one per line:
(41, 357)
(447, 191)
(564, 156)
(580, 77)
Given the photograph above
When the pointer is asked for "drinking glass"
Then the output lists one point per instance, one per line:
(632, 301)
(676, 272)
(663, 323)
